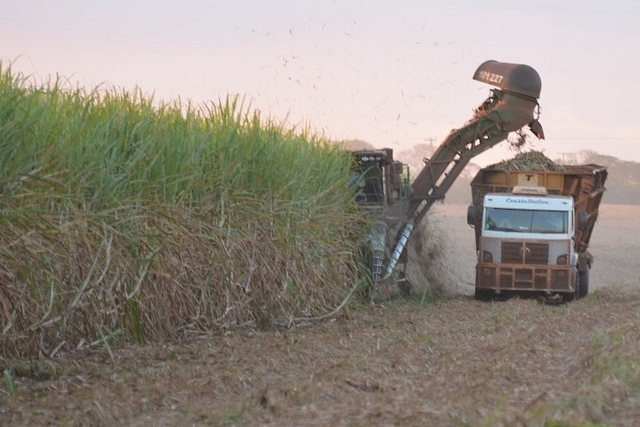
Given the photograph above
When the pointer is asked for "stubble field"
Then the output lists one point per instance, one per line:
(455, 362)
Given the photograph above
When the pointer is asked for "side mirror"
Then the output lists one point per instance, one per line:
(471, 215)
(582, 220)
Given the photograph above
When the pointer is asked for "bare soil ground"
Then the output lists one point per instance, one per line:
(456, 362)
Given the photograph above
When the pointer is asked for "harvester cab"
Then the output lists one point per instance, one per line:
(380, 180)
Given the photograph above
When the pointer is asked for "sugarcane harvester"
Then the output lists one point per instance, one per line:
(396, 205)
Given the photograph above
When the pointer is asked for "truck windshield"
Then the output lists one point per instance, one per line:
(526, 221)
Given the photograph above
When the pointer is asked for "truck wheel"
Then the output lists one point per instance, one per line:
(483, 294)
(583, 278)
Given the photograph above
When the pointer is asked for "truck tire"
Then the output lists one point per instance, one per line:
(490, 295)
(583, 278)
(483, 294)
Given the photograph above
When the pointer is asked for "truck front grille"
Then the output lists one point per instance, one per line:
(524, 253)
(519, 265)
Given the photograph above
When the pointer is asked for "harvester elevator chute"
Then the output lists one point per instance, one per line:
(510, 107)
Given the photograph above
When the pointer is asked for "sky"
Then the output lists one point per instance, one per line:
(394, 74)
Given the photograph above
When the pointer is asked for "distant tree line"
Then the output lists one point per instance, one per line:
(623, 181)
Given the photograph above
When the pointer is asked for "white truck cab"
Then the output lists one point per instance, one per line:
(526, 242)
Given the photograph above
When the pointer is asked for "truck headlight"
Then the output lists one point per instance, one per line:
(487, 256)
(562, 260)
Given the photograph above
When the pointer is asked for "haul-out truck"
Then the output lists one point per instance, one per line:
(532, 230)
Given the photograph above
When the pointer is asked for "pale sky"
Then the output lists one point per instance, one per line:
(394, 74)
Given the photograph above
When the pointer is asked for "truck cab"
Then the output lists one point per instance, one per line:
(526, 243)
